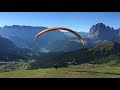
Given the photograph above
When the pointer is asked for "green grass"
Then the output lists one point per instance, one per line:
(79, 71)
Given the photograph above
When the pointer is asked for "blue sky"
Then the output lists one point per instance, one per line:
(78, 21)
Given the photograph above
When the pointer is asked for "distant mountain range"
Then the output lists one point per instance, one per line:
(23, 36)
(57, 41)
(97, 34)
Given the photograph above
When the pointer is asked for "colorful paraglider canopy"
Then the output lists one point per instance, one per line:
(59, 28)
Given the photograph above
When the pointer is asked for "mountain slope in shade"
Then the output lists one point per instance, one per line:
(83, 34)
(67, 45)
(6, 45)
(100, 53)
(10, 52)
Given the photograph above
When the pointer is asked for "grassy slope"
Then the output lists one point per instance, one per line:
(80, 71)
(101, 53)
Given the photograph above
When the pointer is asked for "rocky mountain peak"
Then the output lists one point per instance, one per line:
(102, 32)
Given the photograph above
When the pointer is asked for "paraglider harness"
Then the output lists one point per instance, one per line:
(56, 66)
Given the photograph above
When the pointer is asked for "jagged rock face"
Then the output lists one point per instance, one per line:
(102, 32)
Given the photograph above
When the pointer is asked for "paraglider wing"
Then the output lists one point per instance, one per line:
(60, 28)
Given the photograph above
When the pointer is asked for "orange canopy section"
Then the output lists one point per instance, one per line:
(59, 28)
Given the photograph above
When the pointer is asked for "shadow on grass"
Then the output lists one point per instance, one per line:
(94, 72)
